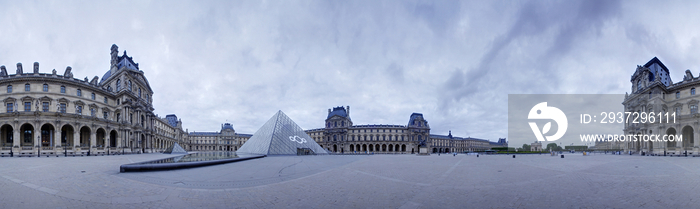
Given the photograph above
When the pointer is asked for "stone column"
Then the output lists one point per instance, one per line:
(57, 138)
(76, 140)
(695, 143)
(16, 141)
(93, 140)
(37, 137)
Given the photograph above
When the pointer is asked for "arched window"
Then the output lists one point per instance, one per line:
(9, 88)
(119, 84)
(692, 91)
(46, 88)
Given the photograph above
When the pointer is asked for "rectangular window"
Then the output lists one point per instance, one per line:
(45, 106)
(92, 96)
(9, 89)
(79, 109)
(63, 89)
(92, 112)
(46, 87)
(104, 115)
(80, 93)
(26, 87)
(9, 107)
(28, 106)
(106, 100)
(63, 108)
(693, 109)
(678, 111)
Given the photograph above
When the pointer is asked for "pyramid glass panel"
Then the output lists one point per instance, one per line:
(175, 149)
(280, 136)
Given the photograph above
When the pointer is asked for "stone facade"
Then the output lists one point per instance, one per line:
(536, 146)
(225, 140)
(52, 114)
(654, 92)
(340, 135)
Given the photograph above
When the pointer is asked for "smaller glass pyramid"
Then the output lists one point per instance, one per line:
(175, 149)
(281, 136)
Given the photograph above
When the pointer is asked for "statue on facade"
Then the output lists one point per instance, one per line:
(36, 67)
(36, 104)
(19, 68)
(53, 72)
(3, 71)
(67, 73)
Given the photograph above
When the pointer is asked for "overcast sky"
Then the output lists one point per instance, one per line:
(211, 62)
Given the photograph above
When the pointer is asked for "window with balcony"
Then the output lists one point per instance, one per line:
(27, 106)
(10, 107)
(45, 106)
(62, 108)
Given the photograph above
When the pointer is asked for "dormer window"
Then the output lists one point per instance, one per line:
(639, 85)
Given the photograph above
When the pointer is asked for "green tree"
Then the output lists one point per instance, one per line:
(526, 147)
(553, 147)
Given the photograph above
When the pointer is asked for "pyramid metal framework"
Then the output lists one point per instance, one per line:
(175, 149)
(280, 136)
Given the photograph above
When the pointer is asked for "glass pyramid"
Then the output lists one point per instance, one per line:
(175, 149)
(280, 136)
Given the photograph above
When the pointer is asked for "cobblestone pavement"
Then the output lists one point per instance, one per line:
(376, 181)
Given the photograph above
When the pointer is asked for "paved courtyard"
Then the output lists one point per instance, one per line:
(375, 181)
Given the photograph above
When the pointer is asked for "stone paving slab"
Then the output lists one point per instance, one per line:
(375, 181)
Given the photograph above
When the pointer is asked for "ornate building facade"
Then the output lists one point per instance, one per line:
(225, 140)
(340, 135)
(55, 114)
(51, 114)
(654, 92)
